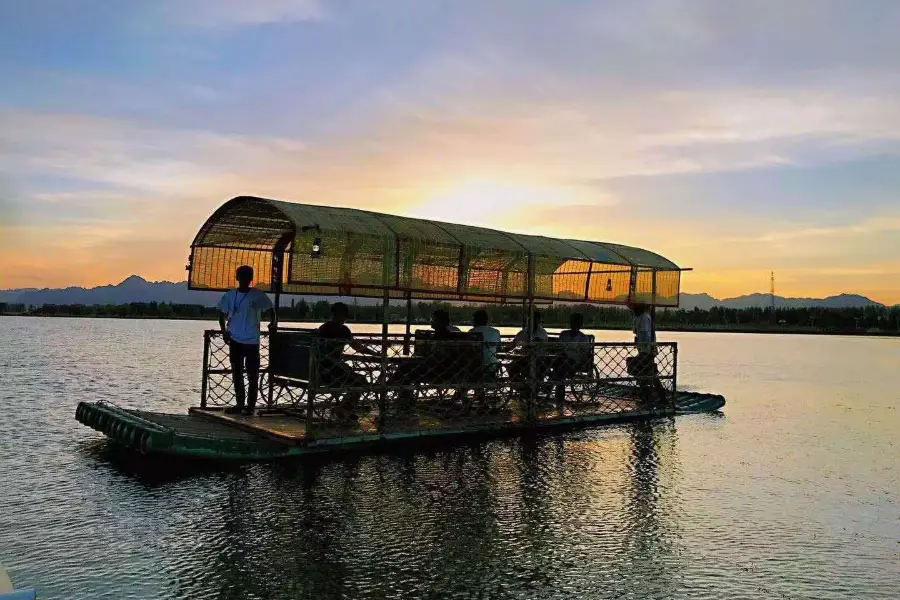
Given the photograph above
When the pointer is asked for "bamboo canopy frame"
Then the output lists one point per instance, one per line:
(323, 250)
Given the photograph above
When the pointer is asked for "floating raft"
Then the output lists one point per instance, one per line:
(210, 433)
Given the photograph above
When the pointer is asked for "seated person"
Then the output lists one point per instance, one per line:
(575, 355)
(539, 335)
(518, 367)
(440, 363)
(490, 337)
(333, 371)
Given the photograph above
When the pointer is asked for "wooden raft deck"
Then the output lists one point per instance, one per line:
(210, 433)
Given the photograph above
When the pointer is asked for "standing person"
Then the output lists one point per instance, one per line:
(332, 368)
(643, 366)
(240, 311)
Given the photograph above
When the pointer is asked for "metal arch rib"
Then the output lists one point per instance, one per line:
(216, 217)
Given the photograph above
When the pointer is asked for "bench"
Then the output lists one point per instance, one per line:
(457, 359)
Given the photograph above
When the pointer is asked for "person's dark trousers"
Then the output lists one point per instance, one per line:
(245, 358)
(646, 372)
(564, 368)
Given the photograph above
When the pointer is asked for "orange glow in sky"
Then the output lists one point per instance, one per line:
(659, 125)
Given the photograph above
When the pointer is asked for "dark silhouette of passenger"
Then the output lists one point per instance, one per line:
(333, 370)
(433, 363)
(519, 366)
(576, 354)
(490, 336)
(240, 312)
(539, 335)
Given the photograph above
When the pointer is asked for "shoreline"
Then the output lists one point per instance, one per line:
(787, 330)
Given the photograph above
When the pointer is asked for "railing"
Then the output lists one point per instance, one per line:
(393, 384)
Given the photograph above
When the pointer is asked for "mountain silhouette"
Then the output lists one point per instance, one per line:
(138, 289)
(705, 301)
(132, 289)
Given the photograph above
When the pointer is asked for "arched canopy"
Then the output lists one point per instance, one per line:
(363, 253)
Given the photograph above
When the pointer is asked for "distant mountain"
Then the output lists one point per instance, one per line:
(705, 301)
(701, 301)
(11, 295)
(138, 289)
(133, 289)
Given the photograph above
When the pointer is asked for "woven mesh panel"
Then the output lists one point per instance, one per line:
(668, 284)
(332, 389)
(643, 289)
(214, 268)
(609, 284)
(340, 251)
(345, 258)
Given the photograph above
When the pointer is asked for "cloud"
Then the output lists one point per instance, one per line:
(228, 14)
(136, 156)
(676, 124)
(10, 201)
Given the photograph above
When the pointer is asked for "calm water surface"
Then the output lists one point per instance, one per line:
(794, 492)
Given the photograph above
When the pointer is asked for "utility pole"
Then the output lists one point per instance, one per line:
(772, 298)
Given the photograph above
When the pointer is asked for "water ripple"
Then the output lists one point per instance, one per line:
(778, 500)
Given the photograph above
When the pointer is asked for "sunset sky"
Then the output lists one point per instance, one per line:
(734, 137)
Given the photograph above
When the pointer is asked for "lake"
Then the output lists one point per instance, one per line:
(792, 492)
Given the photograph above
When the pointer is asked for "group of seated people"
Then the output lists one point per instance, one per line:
(445, 362)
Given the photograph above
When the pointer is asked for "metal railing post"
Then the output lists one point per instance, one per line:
(204, 383)
(407, 335)
(532, 359)
(268, 370)
(311, 388)
(382, 376)
(674, 374)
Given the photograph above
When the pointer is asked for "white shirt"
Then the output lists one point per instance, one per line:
(243, 313)
(576, 344)
(491, 338)
(540, 335)
(643, 332)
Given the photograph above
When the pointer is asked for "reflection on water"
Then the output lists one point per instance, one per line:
(499, 519)
(794, 494)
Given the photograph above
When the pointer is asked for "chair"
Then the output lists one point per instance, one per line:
(582, 382)
(291, 361)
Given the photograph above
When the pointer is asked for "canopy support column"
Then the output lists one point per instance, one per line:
(632, 285)
(382, 376)
(277, 258)
(276, 280)
(276, 285)
(654, 273)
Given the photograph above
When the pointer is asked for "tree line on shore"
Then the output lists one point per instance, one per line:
(811, 319)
